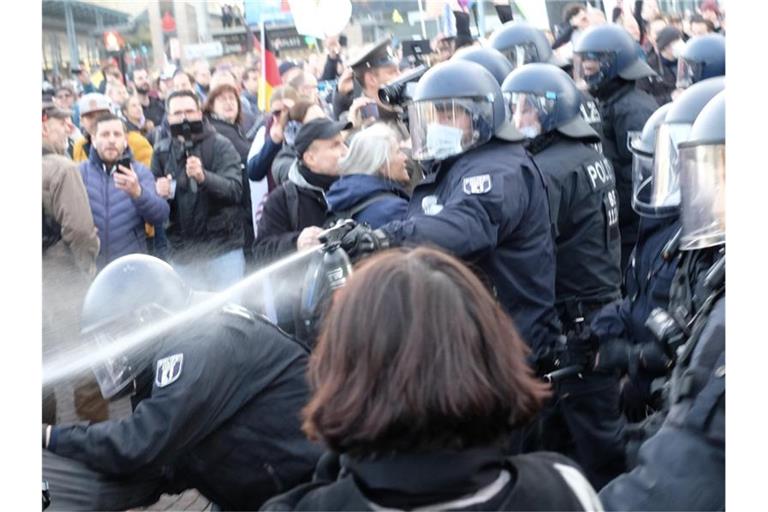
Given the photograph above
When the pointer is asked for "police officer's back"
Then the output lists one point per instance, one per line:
(217, 399)
(607, 59)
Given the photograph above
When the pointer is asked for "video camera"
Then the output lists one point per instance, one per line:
(400, 90)
(187, 130)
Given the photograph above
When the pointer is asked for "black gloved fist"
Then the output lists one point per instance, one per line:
(614, 355)
(623, 356)
(363, 240)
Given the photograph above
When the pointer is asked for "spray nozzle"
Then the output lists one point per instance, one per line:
(331, 237)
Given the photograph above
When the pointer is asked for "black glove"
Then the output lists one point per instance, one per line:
(622, 356)
(362, 240)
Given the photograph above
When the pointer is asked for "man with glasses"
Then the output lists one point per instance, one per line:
(198, 171)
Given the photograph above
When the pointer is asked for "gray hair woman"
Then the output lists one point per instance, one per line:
(373, 175)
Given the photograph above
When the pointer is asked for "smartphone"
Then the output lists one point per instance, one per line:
(370, 110)
(125, 162)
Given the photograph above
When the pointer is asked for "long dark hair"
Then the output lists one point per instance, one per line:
(415, 354)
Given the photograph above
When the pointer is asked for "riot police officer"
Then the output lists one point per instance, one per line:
(544, 105)
(626, 344)
(482, 198)
(606, 58)
(703, 57)
(522, 43)
(682, 466)
(216, 401)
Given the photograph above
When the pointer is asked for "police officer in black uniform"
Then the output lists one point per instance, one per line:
(216, 401)
(482, 198)
(682, 466)
(608, 60)
(522, 43)
(626, 344)
(544, 106)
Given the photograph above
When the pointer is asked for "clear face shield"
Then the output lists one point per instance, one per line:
(688, 73)
(593, 68)
(530, 113)
(702, 210)
(117, 362)
(655, 178)
(521, 54)
(446, 127)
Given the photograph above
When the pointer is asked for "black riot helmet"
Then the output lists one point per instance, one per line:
(490, 59)
(522, 43)
(703, 57)
(457, 105)
(702, 177)
(131, 292)
(645, 178)
(606, 52)
(542, 98)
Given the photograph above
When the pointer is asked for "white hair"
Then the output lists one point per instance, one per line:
(369, 151)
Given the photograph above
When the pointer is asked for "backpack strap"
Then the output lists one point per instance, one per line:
(292, 201)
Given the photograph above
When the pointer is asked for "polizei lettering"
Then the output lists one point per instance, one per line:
(600, 174)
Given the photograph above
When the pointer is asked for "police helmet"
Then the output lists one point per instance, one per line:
(489, 58)
(702, 174)
(675, 129)
(131, 291)
(542, 98)
(605, 52)
(457, 105)
(642, 144)
(522, 43)
(703, 57)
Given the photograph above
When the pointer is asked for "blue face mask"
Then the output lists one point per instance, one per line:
(291, 129)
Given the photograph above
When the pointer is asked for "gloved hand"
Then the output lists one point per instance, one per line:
(362, 240)
(623, 356)
(614, 355)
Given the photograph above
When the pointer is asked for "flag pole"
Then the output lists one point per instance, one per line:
(263, 82)
(421, 16)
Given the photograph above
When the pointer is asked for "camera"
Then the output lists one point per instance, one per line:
(400, 90)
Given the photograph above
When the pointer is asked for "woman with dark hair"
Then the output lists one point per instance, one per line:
(222, 109)
(418, 379)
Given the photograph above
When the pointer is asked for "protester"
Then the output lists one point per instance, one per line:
(151, 105)
(418, 399)
(133, 114)
(667, 46)
(201, 178)
(202, 79)
(371, 188)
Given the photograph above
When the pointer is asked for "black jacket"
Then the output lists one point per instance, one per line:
(537, 481)
(206, 222)
(624, 109)
(488, 206)
(585, 212)
(289, 209)
(224, 420)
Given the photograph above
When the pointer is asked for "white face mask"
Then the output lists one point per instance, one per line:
(677, 48)
(443, 141)
(530, 132)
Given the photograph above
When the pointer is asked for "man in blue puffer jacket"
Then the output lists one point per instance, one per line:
(122, 197)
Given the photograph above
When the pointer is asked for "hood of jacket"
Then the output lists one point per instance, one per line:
(295, 176)
(351, 189)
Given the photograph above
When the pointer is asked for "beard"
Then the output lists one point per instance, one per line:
(142, 90)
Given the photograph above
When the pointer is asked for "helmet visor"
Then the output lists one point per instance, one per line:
(593, 68)
(702, 172)
(532, 114)
(446, 127)
(688, 73)
(521, 54)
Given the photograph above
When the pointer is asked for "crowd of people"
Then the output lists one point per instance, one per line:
(535, 315)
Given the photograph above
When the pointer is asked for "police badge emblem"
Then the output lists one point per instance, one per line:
(477, 184)
(168, 370)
